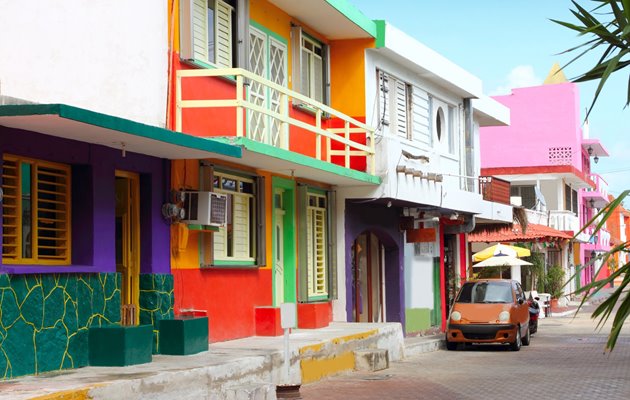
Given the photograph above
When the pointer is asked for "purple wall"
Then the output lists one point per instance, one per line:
(93, 202)
(384, 223)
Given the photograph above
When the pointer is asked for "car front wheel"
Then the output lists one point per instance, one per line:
(516, 344)
(527, 339)
(450, 345)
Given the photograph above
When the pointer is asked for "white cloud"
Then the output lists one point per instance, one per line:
(519, 76)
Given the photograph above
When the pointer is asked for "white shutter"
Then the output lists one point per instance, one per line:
(240, 227)
(320, 252)
(310, 252)
(223, 34)
(401, 108)
(420, 116)
(194, 30)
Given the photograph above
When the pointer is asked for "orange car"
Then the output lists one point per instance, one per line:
(489, 311)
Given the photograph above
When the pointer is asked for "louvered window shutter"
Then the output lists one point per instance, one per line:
(194, 30)
(223, 34)
(401, 108)
(261, 258)
(240, 227)
(331, 203)
(302, 206)
(296, 58)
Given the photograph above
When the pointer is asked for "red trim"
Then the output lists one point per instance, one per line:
(463, 259)
(542, 169)
(442, 279)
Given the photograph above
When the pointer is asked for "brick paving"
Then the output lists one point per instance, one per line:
(564, 361)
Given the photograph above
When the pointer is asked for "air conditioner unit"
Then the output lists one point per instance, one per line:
(205, 208)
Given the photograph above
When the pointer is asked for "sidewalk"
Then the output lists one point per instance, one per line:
(241, 368)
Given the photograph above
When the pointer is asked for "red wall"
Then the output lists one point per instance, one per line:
(228, 295)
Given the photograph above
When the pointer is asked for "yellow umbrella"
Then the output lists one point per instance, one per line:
(499, 250)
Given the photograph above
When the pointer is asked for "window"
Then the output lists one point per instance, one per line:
(316, 245)
(394, 104)
(236, 243)
(527, 195)
(207, 33)
(445, 125)
(35, 212)
(310, 66)
(570, 199)
(316, 240)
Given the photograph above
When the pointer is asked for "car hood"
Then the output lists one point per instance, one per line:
(480, 313)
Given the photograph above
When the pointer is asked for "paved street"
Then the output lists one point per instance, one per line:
(564, 361)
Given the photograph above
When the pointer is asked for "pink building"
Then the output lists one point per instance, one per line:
(546, 156)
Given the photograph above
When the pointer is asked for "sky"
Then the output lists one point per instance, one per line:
(513, 43)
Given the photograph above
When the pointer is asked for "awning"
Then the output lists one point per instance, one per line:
(534, 233)
(83, 125)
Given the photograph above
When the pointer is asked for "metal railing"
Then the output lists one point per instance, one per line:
(275, 106)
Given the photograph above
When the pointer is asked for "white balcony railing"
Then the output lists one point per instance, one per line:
(263, 114)
(601, 185)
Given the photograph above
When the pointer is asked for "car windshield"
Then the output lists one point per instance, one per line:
(485, 292)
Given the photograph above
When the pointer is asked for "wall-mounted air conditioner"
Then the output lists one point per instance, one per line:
(205, 208)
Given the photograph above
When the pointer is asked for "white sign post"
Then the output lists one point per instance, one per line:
(288, 313)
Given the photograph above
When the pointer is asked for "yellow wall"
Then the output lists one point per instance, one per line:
(173, 23)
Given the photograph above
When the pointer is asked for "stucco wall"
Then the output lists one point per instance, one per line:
(106, 56)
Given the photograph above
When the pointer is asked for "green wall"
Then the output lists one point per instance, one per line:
(45, 319)
(156, 302)
(417, 319)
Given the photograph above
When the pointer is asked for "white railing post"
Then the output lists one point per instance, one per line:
(284, 126)
(346, 133)
(318, 139)
(240, 125)
(371, 157)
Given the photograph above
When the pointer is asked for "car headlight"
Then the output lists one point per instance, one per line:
(504, 316)
(456, 316)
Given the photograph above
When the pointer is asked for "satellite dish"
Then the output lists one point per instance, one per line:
(539, 197)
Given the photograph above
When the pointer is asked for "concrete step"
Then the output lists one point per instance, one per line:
(371, 359)
(423, 344)
(246, 391)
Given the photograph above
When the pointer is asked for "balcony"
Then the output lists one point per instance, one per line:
(596, 197)
(599, 241)
(494, 189)
(249, 106)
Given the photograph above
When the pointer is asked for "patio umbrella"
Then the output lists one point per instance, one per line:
(497, 261)
(501, 250)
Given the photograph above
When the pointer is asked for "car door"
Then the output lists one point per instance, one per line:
(521, 305)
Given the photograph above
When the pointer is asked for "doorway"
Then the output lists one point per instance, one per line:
(128, 243)
(278, 259)
(368, 271)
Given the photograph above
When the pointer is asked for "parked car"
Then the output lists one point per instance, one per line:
(489, 311)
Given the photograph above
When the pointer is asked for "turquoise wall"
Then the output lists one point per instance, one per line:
(45, 318)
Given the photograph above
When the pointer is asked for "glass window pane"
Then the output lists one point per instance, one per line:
(211, 35)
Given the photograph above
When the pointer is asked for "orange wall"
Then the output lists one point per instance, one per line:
(347, 75)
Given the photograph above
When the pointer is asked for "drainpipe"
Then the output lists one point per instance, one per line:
(469, 142)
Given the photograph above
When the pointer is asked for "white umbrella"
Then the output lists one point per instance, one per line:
(497, 261)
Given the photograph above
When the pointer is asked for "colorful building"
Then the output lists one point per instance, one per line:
(85, 171)
(282, 80)
(549, 168)
(403, 245)
(619, 226)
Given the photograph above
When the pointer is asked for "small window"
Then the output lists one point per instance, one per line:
(439, 123)
(310, 72)
(317, 245)
(207, 31)
(35, 212)
(236, 241)
(394, 100)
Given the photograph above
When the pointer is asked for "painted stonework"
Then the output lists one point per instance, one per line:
(45, 319)
(156, 302)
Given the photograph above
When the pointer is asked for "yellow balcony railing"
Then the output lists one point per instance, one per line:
(264, 114)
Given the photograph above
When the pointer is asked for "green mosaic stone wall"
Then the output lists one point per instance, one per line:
(156, 302)
(44, 319)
